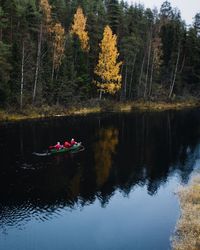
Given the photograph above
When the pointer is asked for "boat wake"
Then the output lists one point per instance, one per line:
(82, 148)
(41, 154)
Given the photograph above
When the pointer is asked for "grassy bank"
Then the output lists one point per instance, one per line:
(160, 106)
(187, 236)
(38, 113)
(95, 106)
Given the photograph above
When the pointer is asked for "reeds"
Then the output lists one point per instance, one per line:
(187, 235)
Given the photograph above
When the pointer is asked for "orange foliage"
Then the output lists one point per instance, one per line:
(79, 29)
(58, 43)
(46, 9)
(56, 31)
(108, 69)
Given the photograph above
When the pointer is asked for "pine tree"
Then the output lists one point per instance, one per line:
(5, 68)
(197, 23)
(107, 69)
(114, 15)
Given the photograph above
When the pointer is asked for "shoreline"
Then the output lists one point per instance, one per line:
(187, 232)
(33, 113)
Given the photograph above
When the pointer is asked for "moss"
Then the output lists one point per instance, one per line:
(187, 235)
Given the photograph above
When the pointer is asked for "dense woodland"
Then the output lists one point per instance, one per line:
(69, 51)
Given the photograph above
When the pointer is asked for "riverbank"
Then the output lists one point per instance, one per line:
(187, 236)
(92, 107)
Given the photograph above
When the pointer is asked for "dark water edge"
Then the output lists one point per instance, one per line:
(117, 194)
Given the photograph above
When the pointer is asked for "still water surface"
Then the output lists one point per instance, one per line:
(117, 194)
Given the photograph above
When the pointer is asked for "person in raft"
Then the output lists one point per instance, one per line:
(70, 144)
(73, 142)
(58, 146)
(67, 144)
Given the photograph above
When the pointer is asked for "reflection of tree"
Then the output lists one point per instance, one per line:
(74, 185)
(104, 149)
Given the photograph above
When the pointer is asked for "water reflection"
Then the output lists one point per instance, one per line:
(122, 151)
(104, 149)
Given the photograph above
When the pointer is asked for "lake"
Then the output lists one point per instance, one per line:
(119, 193)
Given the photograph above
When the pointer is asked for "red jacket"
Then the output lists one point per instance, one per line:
(57, 146)
(67, 144)
(73, 142)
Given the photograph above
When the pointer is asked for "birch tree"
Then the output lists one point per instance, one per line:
(79, 29)
(108, 69)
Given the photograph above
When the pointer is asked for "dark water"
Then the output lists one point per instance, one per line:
(117, 194)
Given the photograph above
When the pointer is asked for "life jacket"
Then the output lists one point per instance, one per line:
(67, 144)
(73, 142)
(58, 146)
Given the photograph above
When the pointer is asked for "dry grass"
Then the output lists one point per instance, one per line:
(95, 106)
(160, 106)
(187, 235)
(84, 111)
(45, 112)
(148, 106)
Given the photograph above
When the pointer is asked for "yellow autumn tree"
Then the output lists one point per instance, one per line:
(59, 37)
(79, 29)
(57, 33)
(46, 9)
(107, 69)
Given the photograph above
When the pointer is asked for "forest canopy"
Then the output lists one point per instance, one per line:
(56, 52)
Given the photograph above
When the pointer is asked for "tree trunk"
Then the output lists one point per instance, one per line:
(175, 73)
(53, 66)
(131, 80)
(37, 63)
(141, 73)
(148, 62)
(22, 77)
(100, 94)
(125, 83)
(122, 88)
(151, 77)
(182, 66)
(11, 29)
(1, 34)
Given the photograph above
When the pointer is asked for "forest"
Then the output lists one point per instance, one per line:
(60, 52)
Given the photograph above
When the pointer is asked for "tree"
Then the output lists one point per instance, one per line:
(43, 63)
(46, 9)
(190, 67)
(58, 33)
(107, 69)
(114, 15)
(3, 22)
(197, 23)
(5, 68)
(79, 29)
(129, 52)
(166, 12)
(57, 37)
(156, 59)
